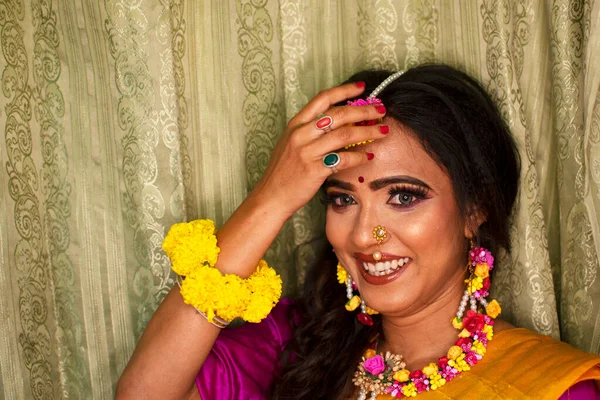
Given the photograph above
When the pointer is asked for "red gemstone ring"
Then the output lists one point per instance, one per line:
(324, 122)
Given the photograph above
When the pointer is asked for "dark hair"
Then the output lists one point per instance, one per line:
(460, 127)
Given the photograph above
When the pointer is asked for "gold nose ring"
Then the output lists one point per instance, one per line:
(379, 234)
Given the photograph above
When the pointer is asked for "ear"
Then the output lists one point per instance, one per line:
(475, 217)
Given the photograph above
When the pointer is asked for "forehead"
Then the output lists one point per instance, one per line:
(399, 153)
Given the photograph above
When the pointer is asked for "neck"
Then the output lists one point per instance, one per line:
(425, 335)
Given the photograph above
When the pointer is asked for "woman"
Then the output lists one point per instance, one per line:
(419, 182)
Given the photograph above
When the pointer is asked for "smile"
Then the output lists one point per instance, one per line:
(384, 267)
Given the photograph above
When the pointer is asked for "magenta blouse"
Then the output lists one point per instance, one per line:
(244, 361)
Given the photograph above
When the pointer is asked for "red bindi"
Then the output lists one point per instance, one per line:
(361, 179)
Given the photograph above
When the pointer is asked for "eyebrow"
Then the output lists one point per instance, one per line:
(377, 184)
(338, 184)
(383, 182)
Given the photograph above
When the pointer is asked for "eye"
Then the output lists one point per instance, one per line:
(339, 200)
(406, 196)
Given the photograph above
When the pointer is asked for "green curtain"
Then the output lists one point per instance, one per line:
(122, 117)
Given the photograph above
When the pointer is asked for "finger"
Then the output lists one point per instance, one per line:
(338, 118)
(346, 136)
(324, 100)
(347, 160)
(344, 115)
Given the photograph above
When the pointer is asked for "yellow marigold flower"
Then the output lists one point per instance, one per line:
(353, 303)
(265, 290)
(493, 309)
(464, 333)
(369, 353)
(204, 289)
(454, 352)
(370, 311)
(457, 323)
(409, 390)
(478, 347)
(489, 331)
(190, 245)
(460, 364)
(402, 375)
(436, 381)
(342, 274)
(474, 284)
(482, 270)
(430, 369)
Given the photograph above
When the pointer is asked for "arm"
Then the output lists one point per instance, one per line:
(177, 340)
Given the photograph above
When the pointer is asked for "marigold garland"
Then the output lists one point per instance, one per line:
(192, 248)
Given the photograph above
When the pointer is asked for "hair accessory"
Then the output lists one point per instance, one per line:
(331, 160)
(384, 375)
(372, 100)
(354, 301)
(324, 122)
(192, 248)
(379, 234)
(384, 84)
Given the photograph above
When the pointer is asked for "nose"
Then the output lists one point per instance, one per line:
(369, 232)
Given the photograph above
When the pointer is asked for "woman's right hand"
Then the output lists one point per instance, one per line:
(296, 171)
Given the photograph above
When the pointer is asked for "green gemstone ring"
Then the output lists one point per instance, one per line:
(331, 160)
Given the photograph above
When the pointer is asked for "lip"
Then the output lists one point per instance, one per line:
(379, 280)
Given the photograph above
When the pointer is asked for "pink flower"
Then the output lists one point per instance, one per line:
(471, 358)
(449, 373)
(416, 374)
(443, 362)
(473, 322)
(479, 255)
(486, 284)
(464, 343)
(358, 102)
(374, 365)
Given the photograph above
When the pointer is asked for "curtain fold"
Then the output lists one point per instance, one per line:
(123, 117)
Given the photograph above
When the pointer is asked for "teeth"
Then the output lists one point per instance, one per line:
(384, 268)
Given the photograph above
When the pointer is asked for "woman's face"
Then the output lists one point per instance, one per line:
(404, 190)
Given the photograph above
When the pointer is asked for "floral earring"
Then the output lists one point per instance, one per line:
(481, 262)
(354, 300)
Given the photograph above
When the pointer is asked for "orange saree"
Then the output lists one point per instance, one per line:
(521, 364)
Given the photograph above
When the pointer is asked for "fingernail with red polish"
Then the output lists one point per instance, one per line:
(370, 156)
(380, 109)
(384, 129)
(360, 84)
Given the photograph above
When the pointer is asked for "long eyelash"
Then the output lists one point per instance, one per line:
(329, 198)
(326, 199)
(418, 191)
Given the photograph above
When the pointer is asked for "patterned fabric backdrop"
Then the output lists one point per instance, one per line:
(122, 117)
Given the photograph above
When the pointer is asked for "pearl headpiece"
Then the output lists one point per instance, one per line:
(385, 83)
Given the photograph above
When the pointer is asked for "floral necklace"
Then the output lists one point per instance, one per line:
(384, 375)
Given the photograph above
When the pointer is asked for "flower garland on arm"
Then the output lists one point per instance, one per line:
(385, 377)
(192, 248)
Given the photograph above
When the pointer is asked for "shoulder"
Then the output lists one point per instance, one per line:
(244, 360)
(535, 362)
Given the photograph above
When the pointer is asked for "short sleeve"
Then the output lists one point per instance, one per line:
(244, 360)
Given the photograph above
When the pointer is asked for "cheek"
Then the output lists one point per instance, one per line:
(333, 223)
(432, 234)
